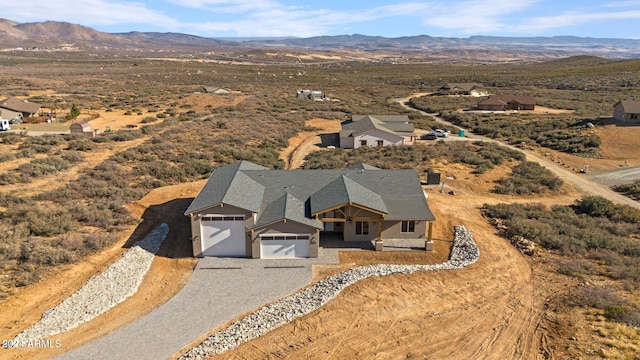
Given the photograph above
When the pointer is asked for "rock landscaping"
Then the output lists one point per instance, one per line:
(463, 253)
(101, 292)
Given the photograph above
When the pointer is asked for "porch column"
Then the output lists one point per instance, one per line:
(379, 243)
(428, 244)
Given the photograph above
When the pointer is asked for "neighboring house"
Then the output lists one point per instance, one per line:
(469, 89)
(246, 210)
(25, 107)
(627, 110)
(311, 95)
(7, 114)
(377, 130)
(507, 102)
(216, 90)
(81, 127)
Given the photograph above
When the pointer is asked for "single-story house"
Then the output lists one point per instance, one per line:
(81, 127)
(10, 114)
(469, 89)
(311, 95)
(626, 110)
(216, 90)
(247, 210)
(25, 107)
(377, 130)
(507, 102)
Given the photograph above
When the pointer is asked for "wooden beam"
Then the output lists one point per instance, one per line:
(333, 220)
(430, 230)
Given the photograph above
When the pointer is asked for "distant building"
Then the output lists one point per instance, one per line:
(311, 95)
(216, 90)
(468, 89)
(81, 127)
(507, 102)
(25, 107)
(627, 110)
(377, 130)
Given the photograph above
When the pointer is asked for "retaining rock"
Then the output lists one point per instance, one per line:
(101, 292)
(463, 253)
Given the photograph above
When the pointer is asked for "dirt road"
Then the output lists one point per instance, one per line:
(577, 180)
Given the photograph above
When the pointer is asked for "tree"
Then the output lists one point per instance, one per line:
(74, 112)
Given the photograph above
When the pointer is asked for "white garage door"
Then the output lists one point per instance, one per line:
(223, 235)
(284, 246)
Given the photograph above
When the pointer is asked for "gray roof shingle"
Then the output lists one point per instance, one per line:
(630, 106)
(278, 194)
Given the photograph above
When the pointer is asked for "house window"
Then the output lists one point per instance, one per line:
(362, 228)
(380, 142)
(363, 142)
(408, 226)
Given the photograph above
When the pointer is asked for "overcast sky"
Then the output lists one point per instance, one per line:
(251, 18)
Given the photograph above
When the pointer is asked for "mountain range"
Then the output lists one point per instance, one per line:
(52, 35)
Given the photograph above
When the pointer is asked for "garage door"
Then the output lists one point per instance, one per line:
(284, 246)
(223, 235)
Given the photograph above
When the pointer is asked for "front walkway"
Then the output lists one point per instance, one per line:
(219, 290)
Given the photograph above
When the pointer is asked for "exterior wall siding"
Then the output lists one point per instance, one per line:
(393, 230)
(372, 137)
(290, 227)
(346, 142)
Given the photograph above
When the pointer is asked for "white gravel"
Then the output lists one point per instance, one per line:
(101, 292)
(463, 253)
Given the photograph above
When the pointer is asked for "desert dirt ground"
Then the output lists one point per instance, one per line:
(493, 309)
(169, 271)
(306, 142)
(496, 308)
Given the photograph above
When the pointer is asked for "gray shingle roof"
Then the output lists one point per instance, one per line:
(19, 105)
(287, 207)
(342, 191)
(630, 106)
(394, 124)
(278, 194)
(362, 166)
(229, 185)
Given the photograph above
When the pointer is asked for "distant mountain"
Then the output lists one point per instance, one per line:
(52, 34)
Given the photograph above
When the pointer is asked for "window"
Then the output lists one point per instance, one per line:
(285, 237)
(222, 218)
(408, 226)
(363, 142)
(380, 142)
(362, 228)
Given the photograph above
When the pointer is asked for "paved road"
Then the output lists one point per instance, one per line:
(219, 290)
(578, 180)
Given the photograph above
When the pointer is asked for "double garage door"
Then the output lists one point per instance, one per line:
(284, 246)
(223, 235)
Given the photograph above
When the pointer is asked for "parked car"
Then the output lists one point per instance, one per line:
(442, 133)
(429, 136)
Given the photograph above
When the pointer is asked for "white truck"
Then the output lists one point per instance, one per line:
(4, 125)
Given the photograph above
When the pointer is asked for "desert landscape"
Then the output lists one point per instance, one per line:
(72, 204)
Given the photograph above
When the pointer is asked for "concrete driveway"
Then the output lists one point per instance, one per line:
(219, 290)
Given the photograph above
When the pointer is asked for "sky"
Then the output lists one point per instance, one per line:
(275, 18)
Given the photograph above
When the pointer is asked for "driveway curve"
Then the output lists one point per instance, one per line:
(578, 180)
(219, 290)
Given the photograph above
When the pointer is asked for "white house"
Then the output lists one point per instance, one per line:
(377, 130)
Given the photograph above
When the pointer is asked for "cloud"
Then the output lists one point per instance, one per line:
(229, 6)
(567, 19)
(273, 18)
(473, 17)
(94, 12)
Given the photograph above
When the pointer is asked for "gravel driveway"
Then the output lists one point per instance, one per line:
(219, 290)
